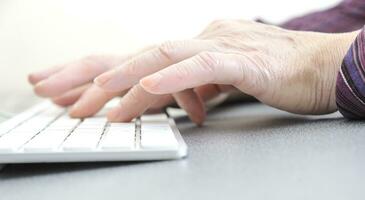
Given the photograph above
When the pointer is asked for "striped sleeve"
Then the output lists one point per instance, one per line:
(350, 85)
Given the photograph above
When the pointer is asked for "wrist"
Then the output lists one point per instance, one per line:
(337, 47)
(330, 57)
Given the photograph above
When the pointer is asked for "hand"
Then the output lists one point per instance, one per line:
(66, 83)
(71, 84)
(289, 70)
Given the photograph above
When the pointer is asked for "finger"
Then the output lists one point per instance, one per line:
(192, 104)
(132, 105)
(163, 102)
(35, 77)
(70, 97)
(71, 76)
(213, 94)
(206, 68)
(149, 62)
(205, 92)
(80, 72)
(91, 102)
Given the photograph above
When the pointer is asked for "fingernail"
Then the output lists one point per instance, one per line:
(113, 115)
(151, 82)
(102, 79)
(39, 88)
(74, 109)
(31, 78)
(40, 84)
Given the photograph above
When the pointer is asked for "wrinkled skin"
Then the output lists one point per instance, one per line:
(290, 70)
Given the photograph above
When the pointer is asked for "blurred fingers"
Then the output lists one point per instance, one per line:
(35, 77)
(71, 76)
(70, 97)
(91, 102)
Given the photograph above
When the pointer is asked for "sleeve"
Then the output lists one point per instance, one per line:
(350, 85)
(348, 15)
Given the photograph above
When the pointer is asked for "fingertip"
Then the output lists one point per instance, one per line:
(41, 89)
(79, 110)
(101, 80)
(105, 80)
(32, 78)
(72, 113)
(60, 102)
(76, 112)
(152, 84)
(199, 115)
(115, 115)
(199, 119)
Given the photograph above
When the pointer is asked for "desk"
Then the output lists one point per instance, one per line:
(243, 152)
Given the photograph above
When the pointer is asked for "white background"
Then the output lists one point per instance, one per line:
(38, 34)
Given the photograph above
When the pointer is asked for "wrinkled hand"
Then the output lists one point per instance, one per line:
(289, 70)
(71, 84)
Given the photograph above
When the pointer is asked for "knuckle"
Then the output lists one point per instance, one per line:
(133, 93)
(91, 64)
(182, 73)
(207, 61)
(167, 50)
(130, 68)
(223, 23)
(218, 22)
(254, 78)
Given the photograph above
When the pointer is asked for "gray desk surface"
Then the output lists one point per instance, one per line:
(243, 151)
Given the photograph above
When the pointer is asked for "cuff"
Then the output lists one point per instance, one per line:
(350, 86)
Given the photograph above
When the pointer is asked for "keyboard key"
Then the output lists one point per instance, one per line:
(64, 123)
(91, 126)
(123, 126)
(157, 135)
(35, 124)
(154, 118)
(95, 120)
(81, 140)
(10, 124)
(46, 141)
(14, 140)
(52, 111)
(7, 126)
(122, 137)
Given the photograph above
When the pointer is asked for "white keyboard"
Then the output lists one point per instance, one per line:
(45, 133)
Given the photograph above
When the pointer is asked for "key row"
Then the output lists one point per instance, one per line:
(114, 137)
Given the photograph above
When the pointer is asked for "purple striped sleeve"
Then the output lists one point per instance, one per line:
(350, 86)
(348, 15)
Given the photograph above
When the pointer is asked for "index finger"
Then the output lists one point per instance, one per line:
(168, 53)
